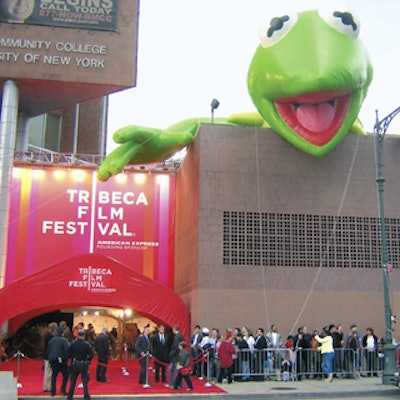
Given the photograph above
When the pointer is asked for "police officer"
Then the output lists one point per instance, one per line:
(80, 353)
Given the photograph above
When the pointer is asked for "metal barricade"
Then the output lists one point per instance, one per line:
(308, 364)
(371, 362)
(265, 364)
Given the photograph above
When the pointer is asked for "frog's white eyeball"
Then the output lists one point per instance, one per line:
(343, 21)
(276, 29)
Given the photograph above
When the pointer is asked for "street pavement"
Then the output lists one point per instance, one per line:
(366, 387)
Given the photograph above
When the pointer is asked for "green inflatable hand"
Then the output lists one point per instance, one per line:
(143, 145)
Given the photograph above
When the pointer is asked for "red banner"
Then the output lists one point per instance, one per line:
(57, 214)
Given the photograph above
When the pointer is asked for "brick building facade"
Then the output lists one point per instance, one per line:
(268, 234)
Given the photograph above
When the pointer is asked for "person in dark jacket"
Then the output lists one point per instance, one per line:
(142, 353)
(174, 354)
(102, 347)
(370, 352)
(52, 327)
(57, 350)
(80, 353)
(260, 346)
(195, 349)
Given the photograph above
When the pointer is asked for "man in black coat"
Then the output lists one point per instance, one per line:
(160, 350)
(58, 355)
(102, 347)
(142, 347)
(52, 327)
(174, 354)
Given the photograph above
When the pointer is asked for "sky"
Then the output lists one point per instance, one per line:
(191, 51)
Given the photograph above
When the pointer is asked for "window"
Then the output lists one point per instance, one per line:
(296, 240)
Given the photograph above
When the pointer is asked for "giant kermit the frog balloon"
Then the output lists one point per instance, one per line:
(308, 79)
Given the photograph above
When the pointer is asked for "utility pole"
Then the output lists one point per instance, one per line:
(380, 129)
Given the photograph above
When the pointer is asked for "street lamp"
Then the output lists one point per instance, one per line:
(380, 129)
(214, 104)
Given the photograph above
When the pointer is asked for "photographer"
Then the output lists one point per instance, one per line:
(328, 353)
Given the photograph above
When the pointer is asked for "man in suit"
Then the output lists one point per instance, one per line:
(142, 353)
(102, 347)
(160, 350)
(195, 349)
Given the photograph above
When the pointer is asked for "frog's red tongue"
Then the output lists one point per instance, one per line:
(315, 117)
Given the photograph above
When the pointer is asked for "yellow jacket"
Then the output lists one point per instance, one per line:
(326, 344)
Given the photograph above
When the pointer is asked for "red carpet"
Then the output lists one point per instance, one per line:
(31, 379)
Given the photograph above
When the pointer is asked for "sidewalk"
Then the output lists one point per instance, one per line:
(340, 388)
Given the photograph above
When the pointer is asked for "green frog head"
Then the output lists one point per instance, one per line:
(309, 77)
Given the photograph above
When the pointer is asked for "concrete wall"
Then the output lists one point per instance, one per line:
(253, 169)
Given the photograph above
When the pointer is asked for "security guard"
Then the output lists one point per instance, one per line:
(80, 353)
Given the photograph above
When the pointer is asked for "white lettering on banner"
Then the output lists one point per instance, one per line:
(115, 213)
(64, 228)
(116, 197)
(100, 218)
(82, 210)
(93, 279)
(79, 6)
(125, 245)
(114, 229)
(82, 195)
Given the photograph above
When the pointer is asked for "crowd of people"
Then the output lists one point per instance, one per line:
(237, 354)
(69, 353)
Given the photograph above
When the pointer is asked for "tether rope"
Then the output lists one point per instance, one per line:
(331, 236)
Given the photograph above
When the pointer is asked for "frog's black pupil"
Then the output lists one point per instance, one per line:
(347, 19)
(276, 24)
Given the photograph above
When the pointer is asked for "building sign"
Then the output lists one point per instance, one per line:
(81, 14)
(58, 214)
(59, 54)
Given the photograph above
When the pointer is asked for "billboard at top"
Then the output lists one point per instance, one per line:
(57, 214)
(86, 14)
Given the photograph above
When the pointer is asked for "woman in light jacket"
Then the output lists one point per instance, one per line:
(327, 352)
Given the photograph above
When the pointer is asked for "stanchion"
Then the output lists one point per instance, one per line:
(18, 355)
(125, 357)
(146, 385)
(201, 377)
(208, 384)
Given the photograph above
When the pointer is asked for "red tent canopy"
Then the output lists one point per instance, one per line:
(90, 280)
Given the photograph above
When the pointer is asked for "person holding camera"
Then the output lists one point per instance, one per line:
(327, 352)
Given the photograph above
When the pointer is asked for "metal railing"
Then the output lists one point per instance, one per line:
(266, 364)
(285, 364)
(92, 161)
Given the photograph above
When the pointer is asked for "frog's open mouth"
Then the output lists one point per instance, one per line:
(315, 116)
